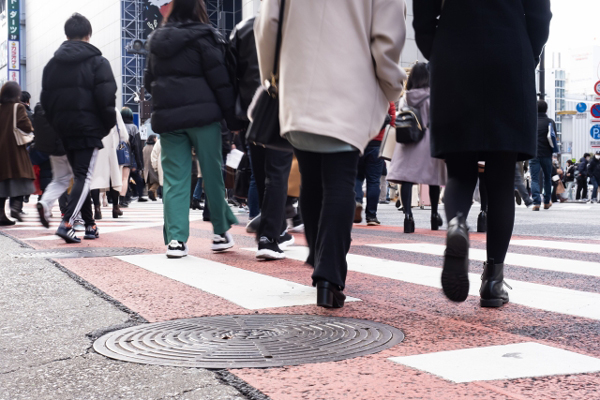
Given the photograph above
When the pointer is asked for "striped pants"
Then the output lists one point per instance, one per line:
(82, 163)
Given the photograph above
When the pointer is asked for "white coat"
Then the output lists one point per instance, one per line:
(107, 166)
(156, 161)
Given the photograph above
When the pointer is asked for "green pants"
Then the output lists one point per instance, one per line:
(177, 170)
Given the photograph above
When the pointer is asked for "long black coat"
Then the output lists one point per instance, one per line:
(187, 77)
(79, 94)
(482, 57)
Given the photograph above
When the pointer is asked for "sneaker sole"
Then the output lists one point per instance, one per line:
(455, 277)
(492, 303)
(176, 255)
(372, 224)
(267, 255)
(91, 237)
(222, 247)
(69, 239)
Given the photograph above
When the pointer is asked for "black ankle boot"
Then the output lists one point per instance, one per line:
(492, 285)
(482, 222)
(455, 275)
(409, 224)
(329, 295)
(436, 221)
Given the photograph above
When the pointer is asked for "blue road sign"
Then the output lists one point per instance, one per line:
(595, 110)
(581, 107)
(595, 132)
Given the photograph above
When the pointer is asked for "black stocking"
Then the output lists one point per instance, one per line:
(96, 198)
(483, 193)
(406, 197)
(434, 196)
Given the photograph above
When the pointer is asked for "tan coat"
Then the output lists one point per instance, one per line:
(339, 64)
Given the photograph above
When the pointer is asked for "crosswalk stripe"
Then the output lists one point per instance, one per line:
(522, 260)
(245, 288)
(542, 297)
(567, 246)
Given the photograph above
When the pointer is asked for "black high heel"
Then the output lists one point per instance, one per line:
(436, 221)
(455, 275)
(329, 295)
(482, 222)
(409, 224)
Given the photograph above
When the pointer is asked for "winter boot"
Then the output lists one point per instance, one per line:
(482, 222)
(492, 285)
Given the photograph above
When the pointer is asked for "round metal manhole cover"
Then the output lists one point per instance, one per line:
(81, 252)
(248, 341)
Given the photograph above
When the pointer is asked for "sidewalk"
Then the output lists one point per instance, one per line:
(48, 323)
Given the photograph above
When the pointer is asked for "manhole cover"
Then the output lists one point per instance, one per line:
(81, 252)
(248, 341)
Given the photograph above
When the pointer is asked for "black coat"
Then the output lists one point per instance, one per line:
(46, 139)
(79, 94)
(187, 77)
(570, 174)
(243, 47)
(543, 145)
(582, 167)
(482, 57)
(593, 169)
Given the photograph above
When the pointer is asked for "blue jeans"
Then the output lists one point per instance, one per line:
(198, 190)
(543, 164)
(594, 182)
(370, 166)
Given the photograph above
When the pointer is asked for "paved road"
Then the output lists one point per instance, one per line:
(543, 345)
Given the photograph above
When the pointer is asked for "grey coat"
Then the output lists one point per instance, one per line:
(413, 162)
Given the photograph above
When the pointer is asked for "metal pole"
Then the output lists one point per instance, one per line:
(543, 75)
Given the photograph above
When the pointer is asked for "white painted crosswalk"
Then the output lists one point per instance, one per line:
(521, 260)
(555, 245)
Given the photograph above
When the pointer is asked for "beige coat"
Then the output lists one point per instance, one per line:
(339, 64)
(107, 168)
(156, 161)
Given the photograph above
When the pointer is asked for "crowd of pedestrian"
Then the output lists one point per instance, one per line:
(290, 117)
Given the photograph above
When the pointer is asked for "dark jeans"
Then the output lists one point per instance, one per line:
(582, 188)
(253, 201)
(327, 205)
(594, 182)
(370, 167)
(82, 163)
(198, 190)
(543, 164)
(271, 169)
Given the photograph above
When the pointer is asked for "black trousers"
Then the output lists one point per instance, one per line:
(582, 188)
(271, 169)
(139, 182)
(82, 163)
(327, 203)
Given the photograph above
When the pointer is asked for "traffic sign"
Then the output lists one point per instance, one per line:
(595, 132)
(595, 110)
(581, 107)
(597, 88)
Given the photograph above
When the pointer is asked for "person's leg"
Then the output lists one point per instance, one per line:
(4, 220)
(95, 193)
(406, 197)
(569, 190)
(546, 164)
(360, 179)
(139, 184)
(534, 170)
(61, 178)
(258, 155)
(462, 179)
(373, 169)
(198, 190)
(207, 141)
(82, 163)
(434, 196)
(87, 214)
(595, 189)
(15, 204)
(311, 198)
(176, 159)
(520, 186)
(584, 190)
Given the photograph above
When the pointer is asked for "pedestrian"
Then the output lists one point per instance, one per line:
(543, 162)
(570, 179)
(499, 129)
(412, 163)
(582, 177)
(333, 99)
(521, 192)
(593, 169)
(108, 174)
(150, 175)
(78, 96)
(16, 171)
(370, 168)
(135, 146)
(191, 93)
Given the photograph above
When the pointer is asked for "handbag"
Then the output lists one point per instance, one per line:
(264, 129)
(21, 137)
(243, 175)
(409, 125)
(388, 144)
(123, 155)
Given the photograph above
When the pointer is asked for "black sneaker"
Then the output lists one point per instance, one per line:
(42, 213)
(253, 224)
(91, 232)
(222, 242)
(142, 200)
(67, 233)
(177, 249)
(285, 241)
(269, 250)
(373, 221)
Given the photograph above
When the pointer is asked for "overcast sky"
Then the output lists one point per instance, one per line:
(575, 23)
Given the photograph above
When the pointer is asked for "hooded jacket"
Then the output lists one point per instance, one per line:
(78, 95)
(46, 139)
(187, 77)
(593, 168)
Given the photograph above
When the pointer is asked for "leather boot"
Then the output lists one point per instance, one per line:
(455, 273)
(409, 224)
(97, 212)
(492, 285)
(482, 222)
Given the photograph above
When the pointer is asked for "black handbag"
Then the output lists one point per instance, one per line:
(265, 130)
(243, 175)
(409, 125)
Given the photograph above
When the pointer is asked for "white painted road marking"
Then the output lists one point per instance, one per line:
(522, 260)
(247, 289)
(568, 246)
(513, 361)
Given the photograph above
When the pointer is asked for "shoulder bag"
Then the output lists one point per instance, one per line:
(264, 130)
(123, 155)
(21, 137)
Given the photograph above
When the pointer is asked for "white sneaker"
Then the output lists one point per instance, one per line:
(285, 241)
(297, 229)
(222, 242)
(177, 249)
(79, 226)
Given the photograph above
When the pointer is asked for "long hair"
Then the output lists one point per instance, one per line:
(419, 77)
(187, 11)
(10, 93)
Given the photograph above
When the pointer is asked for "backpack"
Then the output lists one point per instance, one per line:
(230, 59)
(409, 125)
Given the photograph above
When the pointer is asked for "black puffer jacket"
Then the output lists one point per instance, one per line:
(593, 168)
(543, 145)
(46, 139)
(78, 95)
(188, 79)
(243, 46)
